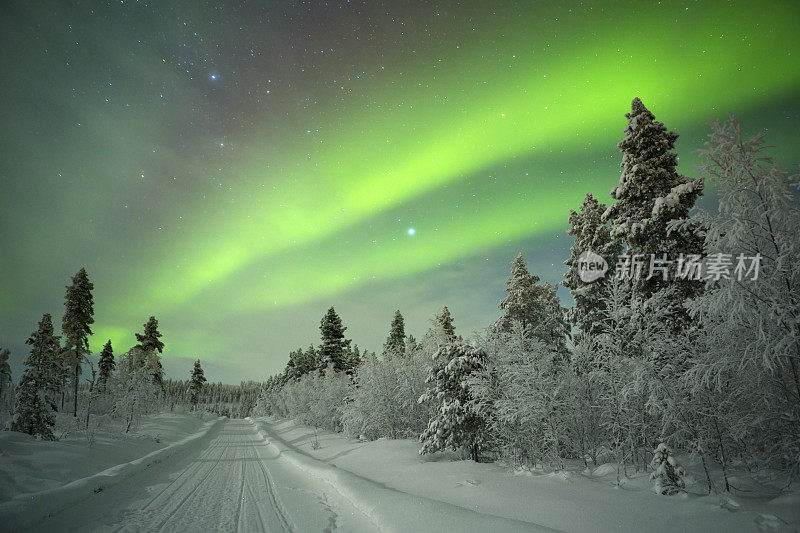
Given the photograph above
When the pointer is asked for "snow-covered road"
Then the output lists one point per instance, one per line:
(246, 475)
(227, 487)
(232, 483)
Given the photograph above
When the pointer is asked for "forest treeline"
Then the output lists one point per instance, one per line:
(689, 341)
(684, 335)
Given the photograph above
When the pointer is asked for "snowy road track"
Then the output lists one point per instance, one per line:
(226, 488)
(228, 484)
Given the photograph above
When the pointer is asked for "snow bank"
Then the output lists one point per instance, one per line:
(577, 500)
(28, 508)
(390, 509)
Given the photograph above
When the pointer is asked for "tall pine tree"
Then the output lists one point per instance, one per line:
(44, 359)
(196, 384)
(591, 235)
(5, 371)
(40, 384)
(78, 317)
(106, 364)
(395, 343)
(150, 344)
(444, 322)
(333, 346)
(534, 306)
(651, 212)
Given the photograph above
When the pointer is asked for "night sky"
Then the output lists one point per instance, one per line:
(236, 168)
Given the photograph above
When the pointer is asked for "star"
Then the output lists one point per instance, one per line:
(411, 231)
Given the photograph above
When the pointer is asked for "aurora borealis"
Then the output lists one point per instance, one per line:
(236, 168)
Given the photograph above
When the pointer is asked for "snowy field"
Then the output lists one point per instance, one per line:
(181, 473)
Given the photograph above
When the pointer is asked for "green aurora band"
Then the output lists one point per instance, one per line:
(488, 142)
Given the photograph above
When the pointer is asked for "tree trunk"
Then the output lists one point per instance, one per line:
(77, 369)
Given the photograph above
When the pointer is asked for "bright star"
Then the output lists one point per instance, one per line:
(411, 231)
(213, 76)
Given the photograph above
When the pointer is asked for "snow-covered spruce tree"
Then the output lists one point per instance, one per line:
(40, 384)
(752, 324)
(196, 384)
(395, 342)
(150, 344)
(457, 424)
(301, 362)
(534, 306)
(76, 325)
(106, 364)
(44, 360)
(5, 372)
(333, 344)
(444, 325)
(32, 415)
(651, 212)
(591, 235)
(353, 357)
(667, 473)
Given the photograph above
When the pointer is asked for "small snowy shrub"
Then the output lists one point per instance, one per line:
(668, 473)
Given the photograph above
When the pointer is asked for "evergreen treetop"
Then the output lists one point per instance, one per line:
(445, 322)
(149, 340)
(333, 344)
(79, 312)
(395, 342)
(106, 363)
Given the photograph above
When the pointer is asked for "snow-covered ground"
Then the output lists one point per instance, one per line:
(578, 500)
(273, 475)
(28, 465)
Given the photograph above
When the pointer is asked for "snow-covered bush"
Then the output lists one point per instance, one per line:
(134, 390)
(384, 399)
(667, 473)
(524, 395)
(316, 400)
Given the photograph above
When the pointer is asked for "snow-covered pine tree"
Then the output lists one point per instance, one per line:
(48, 371)
(444, 322)
(32, 415)
(106, 364)
(196, 383)
(333, 344)
(457, 424)
(651, 212)
(534, 306)
(78, 317)
(5, 371)
(667, 473)
(442, 331)
(411, 344)
(354, 358)
(395, 342)
(752, 320)
(150, 343)
(591, 234)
